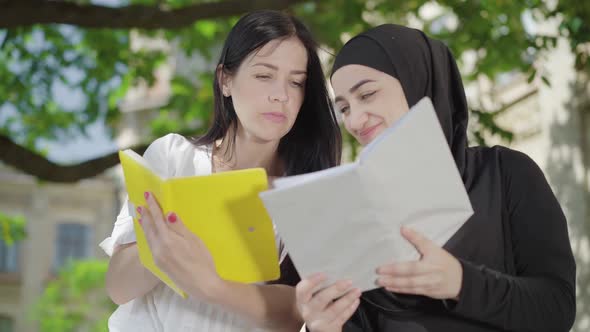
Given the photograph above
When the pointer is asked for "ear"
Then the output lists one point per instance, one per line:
(224, 80)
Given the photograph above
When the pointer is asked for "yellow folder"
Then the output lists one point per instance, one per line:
(222, 209)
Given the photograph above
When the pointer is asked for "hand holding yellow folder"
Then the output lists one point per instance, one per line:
(222, 209)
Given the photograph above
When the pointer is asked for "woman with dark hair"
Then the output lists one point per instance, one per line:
(510, 267)
(272, 110)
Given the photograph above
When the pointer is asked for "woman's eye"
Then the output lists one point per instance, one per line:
(298, 84)
(344, 109)
(262, 77)
(367, 95)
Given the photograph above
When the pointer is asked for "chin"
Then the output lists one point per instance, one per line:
(270, 136)
(364, 141)
(368, 140)
(273, 133)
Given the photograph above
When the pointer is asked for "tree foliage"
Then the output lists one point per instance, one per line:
(86, 51)
(75, 300)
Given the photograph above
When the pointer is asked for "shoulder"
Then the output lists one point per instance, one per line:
(516, 160)
(524, 181)
(512, 163)
(174, 145)
(168, 144)
(167, 153)
(519, 174)
(520, 169)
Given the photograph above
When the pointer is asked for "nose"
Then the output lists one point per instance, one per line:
(357, 120)
(278, 94)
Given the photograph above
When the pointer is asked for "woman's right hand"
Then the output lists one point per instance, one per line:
(328, 309)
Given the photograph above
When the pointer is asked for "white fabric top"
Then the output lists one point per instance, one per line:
(162, 309)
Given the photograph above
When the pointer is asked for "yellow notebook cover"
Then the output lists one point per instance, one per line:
(222, 209)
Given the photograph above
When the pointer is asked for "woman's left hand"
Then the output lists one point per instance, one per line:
(437, 274)
(178, 252)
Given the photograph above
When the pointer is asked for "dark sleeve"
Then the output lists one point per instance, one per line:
(362, 320)
(541, 297)
(289, 275)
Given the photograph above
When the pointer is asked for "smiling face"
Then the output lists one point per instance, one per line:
(268, 89)
(370, 101)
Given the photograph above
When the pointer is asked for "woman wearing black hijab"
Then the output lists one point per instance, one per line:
(509, 268)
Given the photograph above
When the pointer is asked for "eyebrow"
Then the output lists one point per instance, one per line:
(354, 88)
(273, 67)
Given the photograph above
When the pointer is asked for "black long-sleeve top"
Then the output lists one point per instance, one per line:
(518, 266)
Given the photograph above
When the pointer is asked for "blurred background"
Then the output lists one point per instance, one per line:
(80, 79)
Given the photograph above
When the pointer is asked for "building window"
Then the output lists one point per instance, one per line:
(6, 324)
(8, 257)
(73, 242)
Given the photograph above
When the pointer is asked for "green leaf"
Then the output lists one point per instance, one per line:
(75, 299)
(12, 228)
(532, 75)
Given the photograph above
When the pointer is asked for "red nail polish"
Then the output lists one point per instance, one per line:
(138, 209)
(146, 195)
(172, 217)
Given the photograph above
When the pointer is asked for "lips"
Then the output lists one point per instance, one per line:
(275, 117)
(368, 132)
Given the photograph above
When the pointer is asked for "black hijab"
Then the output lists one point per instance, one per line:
(424, 67)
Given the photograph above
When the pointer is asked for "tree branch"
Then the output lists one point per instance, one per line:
(40, 167)
(14, 13)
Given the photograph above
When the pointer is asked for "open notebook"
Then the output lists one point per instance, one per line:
(222, 209)
(345, 221)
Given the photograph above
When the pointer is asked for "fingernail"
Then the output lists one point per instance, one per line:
(172, 217)
(139, 221)
(138, 209)
(146, 195)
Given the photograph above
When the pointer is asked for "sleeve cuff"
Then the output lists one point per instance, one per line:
(123, 233)
(469, 296)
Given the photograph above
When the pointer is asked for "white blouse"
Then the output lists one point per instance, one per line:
(162, 309)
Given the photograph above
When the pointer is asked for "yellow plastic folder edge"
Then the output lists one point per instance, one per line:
(222, 209)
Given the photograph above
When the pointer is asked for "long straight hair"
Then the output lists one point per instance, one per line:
(314, 143)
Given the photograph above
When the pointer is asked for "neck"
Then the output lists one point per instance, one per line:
(247, 152)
